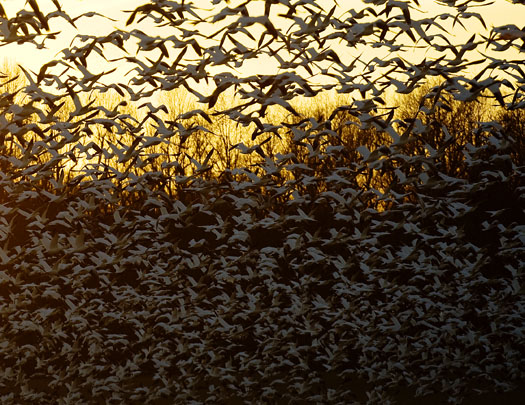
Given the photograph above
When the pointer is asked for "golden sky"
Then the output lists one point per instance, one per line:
(501, 12)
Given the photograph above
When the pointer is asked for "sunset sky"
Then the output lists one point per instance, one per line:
(501, 12)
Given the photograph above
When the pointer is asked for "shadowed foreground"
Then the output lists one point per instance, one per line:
(231, 296)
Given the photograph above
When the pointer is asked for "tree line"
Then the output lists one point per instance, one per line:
(188, 140)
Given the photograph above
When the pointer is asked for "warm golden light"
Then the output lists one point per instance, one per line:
(500, 12)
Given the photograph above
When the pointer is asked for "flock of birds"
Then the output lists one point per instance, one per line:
(268, 287)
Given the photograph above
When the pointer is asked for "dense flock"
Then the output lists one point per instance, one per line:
(300, 277)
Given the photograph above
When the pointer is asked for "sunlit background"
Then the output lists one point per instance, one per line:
(500, 12)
